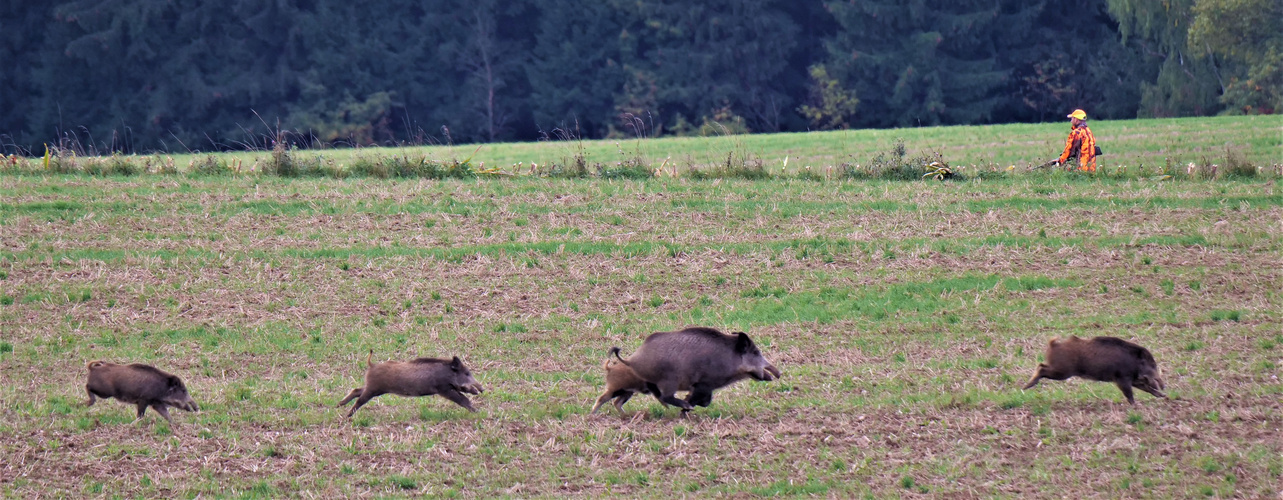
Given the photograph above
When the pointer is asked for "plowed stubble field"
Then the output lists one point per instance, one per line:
(905, 317)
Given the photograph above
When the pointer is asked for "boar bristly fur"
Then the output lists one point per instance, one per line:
(697, 359)
(1105, 359)
(139, 384)
(448, 378)
(621, 383)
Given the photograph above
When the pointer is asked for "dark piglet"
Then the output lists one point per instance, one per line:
(621, 383)
(1105, 359)
(139, 384)
(697, 359)
(420, 377)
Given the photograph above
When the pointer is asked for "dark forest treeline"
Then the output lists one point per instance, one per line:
(177, 75)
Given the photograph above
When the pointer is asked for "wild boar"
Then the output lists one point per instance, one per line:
(697, 359)
(1105, 359)
(140, 384)
(420, 377)
(621, 383)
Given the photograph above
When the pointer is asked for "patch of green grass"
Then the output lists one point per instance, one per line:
(1209, 464)
(1029, 283)
(510, 328)
(241, 393)
(403, 482)
(789, 488)
(911, 301)
(1224, 315)
(261, 489)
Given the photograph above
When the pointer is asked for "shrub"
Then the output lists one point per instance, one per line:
(119, 165)
(1236, 164)
(896, 164)
(209, 165)
(281, 162)
(737, 166)
(60, 161)
(633, 168)
(364, 166)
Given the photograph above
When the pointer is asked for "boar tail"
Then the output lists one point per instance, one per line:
(93, 364)
(615, 351)
(369, 359)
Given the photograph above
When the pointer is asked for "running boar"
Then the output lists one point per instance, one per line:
(697, 359)
(621, 383)
(1106, 359)
(419, 377)
(140, 384)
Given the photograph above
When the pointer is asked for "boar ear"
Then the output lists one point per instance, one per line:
(742, 342)
(455, 364)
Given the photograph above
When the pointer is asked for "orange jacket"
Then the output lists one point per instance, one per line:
(1081, 143)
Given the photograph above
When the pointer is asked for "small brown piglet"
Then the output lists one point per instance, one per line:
(140, 384)
(1105, 359)
(621, 383)
(420, 377)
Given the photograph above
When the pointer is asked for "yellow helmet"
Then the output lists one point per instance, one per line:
(1079, 114)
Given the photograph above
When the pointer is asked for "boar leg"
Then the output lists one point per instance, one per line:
(458, 398)
(700, 396)
(667, 394)
(356, 393)
(160, 408)
(142, 408)
(600, 401)
(92, 397)
(365, 397)
(1126, 387)
(603, 399)
(1047, 372)
(622, 398)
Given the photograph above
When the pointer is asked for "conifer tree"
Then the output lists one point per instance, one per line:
(706, 58)
(925, 62)
(576, 68)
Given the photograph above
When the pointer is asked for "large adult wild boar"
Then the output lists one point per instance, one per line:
(697, 359)
(419, 377)
(1105, 359)
(143, 385)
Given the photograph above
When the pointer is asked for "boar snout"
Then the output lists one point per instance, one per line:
(765, 374)
(186, 404)
(1152, 385)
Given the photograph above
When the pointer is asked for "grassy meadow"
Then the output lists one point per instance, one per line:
(1142, 145)
(1133, 148)
(905, 317)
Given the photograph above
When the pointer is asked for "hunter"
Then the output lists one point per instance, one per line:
(1080, 143)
